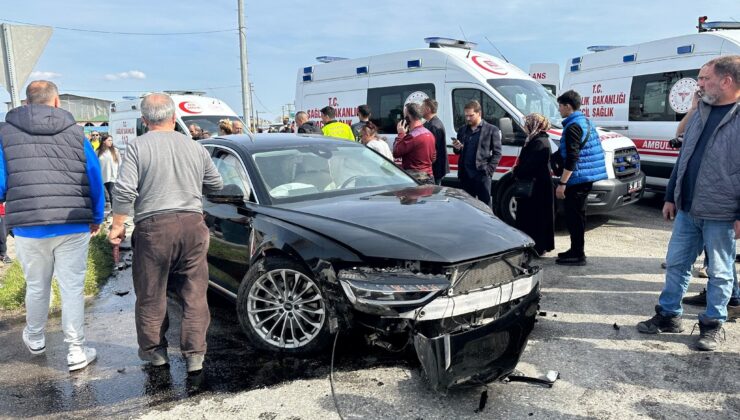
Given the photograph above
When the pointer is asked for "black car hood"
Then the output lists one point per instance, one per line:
(426, 223)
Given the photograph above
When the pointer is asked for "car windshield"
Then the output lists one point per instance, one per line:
(317, 171)
(529, 96)
(207, 122)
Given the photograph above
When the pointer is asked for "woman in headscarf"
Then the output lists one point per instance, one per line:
(535, 214)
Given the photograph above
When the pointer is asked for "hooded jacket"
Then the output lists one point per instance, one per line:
(49, 175)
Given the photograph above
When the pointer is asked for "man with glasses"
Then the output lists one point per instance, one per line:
(95, 140)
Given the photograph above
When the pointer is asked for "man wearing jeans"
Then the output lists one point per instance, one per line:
(54, 198)
(161, 181)
(702, 196)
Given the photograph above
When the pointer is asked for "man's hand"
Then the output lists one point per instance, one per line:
(116, 234)
(669, 213)
(560, 192)
(737, 229)
(401, 128)
(695, 100)
(94, 229)
(456, 144)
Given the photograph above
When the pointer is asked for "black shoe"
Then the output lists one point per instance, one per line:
(663, 265)
(733, 309)
(660, 324)
(698, 300)
(571, 260)
(567, 253)
(711, 335)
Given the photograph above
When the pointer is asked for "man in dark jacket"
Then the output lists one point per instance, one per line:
(581, 151)
(363, 112)
(53, 191)
(440, 167)
(479, 145)
(304, 125)
(702, 200)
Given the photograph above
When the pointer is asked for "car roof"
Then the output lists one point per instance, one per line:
(271, 141)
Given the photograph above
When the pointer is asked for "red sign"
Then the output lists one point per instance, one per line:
(190, 107)
(489, 65)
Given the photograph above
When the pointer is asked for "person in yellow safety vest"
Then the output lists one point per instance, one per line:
(333, 128)
(95, 140)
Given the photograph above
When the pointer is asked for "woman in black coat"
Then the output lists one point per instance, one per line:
(535, 214)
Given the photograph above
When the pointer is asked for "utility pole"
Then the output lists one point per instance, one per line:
(253, 108)
(246, 91)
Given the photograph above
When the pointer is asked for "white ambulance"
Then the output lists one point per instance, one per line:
(642, 91)
(451, 72)
(190, 108)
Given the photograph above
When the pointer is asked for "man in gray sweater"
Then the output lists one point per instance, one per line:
(162, 179)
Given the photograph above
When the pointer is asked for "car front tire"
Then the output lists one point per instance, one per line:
(282, 308)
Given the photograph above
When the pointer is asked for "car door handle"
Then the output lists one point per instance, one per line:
(614, 127)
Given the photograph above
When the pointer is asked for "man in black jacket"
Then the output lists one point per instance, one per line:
(440, 167)
(304, 125)
(479, 145)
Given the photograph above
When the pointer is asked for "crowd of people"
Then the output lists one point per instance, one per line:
(55, 201)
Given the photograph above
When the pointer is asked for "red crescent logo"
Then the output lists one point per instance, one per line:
(190, 107)
(488, 65)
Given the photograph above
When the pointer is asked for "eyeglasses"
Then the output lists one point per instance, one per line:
(96, 135)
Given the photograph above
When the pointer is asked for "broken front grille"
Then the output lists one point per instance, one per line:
(489, 272)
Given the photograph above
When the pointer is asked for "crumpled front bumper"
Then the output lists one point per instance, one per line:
(479, 355)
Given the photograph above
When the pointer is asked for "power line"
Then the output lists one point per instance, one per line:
(123, 33)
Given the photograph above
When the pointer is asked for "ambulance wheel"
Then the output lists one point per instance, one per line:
(506, 204)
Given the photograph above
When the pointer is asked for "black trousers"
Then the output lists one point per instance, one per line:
(478, 185)
(575, 215)
(3, 237)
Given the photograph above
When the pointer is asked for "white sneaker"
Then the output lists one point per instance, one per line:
(34, 346)
(80, 357)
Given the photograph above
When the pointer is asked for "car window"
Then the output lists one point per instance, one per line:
(317, 171)
(650, 96)
(232, 172)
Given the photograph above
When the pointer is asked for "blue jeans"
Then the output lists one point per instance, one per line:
(689, 235)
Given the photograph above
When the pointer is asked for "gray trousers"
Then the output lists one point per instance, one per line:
(64, 257)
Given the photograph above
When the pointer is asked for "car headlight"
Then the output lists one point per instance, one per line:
(390, 287)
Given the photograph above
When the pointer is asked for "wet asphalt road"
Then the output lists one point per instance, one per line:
(118, 384)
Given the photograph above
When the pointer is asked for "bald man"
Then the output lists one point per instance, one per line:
(161, 181)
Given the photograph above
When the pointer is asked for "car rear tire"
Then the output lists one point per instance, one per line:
(506, 204)
(281, 308)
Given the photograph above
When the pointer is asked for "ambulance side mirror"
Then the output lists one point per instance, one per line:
(507, 131)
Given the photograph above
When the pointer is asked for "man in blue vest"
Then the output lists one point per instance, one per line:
(53, 191)
(583, 159)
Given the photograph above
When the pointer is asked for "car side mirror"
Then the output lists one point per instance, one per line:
(507, 130)
(230, 194)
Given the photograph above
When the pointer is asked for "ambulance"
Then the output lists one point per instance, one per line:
(642, 91)
(190, 108)
(453, 73)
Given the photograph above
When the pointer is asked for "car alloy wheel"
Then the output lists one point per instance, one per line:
(285, 308)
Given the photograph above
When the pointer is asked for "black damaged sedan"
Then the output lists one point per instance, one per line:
(313, 235)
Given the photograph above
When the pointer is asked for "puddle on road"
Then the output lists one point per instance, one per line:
(118, 384)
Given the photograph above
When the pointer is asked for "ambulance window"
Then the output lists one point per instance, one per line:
(140, 127)
(491, 111)
(387, 103)
(179, 129)
(650, 96)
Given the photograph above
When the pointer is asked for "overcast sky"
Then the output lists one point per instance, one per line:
(286, 35)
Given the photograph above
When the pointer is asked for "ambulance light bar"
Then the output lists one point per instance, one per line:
(184, 92)
(600, 48)
(436, 42)
(328, 59)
